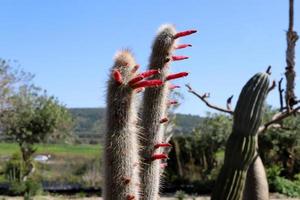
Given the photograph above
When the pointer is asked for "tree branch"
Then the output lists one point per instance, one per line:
(277, 119)
(272, 86)
(204, 99)
(280, 90)
(228, 103)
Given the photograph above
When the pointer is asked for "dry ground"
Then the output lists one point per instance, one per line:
(273, 197)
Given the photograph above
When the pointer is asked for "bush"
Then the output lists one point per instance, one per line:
(13, 169)
(28, 188)
(282, 185)
(180, 195)
(32, 188)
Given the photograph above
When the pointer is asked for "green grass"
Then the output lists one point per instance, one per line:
(7, 149)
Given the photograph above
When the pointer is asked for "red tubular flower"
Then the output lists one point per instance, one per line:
(139, 90)
(117, 76)
(163, 120)
(172, 87)
(162, 145)
(159, 156)
(172, 102)
(182, 46)
(135, 80)
(176, 58)
(163, 165)
(135, 68)
(147, 83)
(178, 75)
(150, 72)
(130, 197)
(184, 33)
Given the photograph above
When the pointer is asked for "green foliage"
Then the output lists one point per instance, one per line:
(13, 171)
(197, 156)
(17, 188)
(281, 184)
(32, 117)
(27, 188)
(279, 149)
(282, 146)
(285, 186)
(89, 123)
(32, 188)
(85, 150)
(180, 195)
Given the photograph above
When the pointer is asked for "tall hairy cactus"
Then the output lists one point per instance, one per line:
(242, 143)
(154, 109)
(121, 138)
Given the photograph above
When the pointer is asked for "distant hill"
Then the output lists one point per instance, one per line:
(90, 121)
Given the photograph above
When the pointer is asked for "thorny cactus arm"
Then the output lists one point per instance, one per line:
(242, 143)
(154, 110)
(256, 187)
(121, 142)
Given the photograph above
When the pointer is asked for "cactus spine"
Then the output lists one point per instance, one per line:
(154, 110)
(256, 187)
(242, 143)
(121, 145)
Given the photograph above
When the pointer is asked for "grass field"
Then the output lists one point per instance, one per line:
(68, 163)
(7, 149)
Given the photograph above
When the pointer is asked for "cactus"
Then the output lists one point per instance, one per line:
(154, 109)
(121, 142)
(256, 187)
(242, 143)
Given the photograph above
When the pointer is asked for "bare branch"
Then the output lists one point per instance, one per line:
(272, 86)
(278, 119)
(291, 15)
(280, 90)
(204, 99)
(228, 103)
(268, 71)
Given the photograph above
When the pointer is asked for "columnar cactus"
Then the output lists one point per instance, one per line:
(242, 143)
(121, 142)
(154, 109)
(256, 187)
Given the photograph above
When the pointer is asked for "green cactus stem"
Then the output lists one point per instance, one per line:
(242, 143)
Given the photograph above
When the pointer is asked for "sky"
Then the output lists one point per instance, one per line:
(69, 44)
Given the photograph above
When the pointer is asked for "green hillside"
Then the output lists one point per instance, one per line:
(90, 122)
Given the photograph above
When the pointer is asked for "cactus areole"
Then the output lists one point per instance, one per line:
(242, 143)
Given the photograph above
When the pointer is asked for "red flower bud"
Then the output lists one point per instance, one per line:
(176, 58)
(159, 156)
(184, 33)
(150, 72)
(182, 46)
(147, 83)
(172, 87)
(135, 68)
(163, 120)
(117, 76)
(178, 75)
(135, 80)
(162, 145)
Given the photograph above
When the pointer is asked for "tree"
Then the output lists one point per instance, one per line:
(32, 117)
(11, 78)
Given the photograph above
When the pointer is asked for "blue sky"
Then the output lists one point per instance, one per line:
(69, 44)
